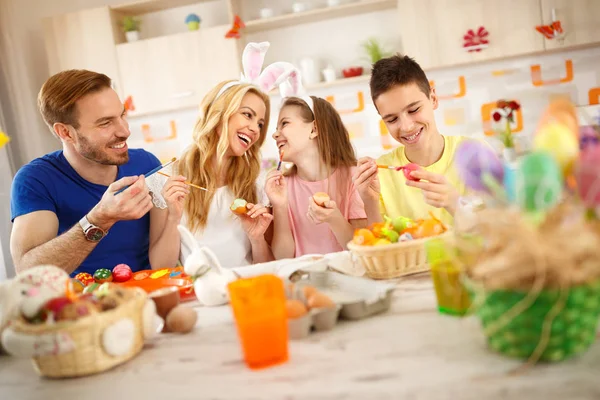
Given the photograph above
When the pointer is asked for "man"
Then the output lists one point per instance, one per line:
(401, 93)
(65, 207)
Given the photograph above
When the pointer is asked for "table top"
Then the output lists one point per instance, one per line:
(409, 352)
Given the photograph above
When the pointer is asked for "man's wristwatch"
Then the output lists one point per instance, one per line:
(91, 231)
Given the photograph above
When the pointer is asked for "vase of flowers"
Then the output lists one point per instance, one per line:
(505, 116)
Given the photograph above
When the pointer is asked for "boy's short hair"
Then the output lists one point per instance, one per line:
(397, 70)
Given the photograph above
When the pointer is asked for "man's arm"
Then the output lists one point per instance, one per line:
(34, 242)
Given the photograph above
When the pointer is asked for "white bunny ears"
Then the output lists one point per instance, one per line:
(282, 74)
(252, 62)
(292, 87)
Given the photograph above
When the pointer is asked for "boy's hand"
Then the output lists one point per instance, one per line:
(366, 181)
(438, 192)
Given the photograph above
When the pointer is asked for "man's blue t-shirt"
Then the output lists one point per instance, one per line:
(50, 183)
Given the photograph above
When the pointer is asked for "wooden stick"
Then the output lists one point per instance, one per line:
(187, 183)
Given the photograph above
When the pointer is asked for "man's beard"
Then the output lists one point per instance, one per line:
(101, 156)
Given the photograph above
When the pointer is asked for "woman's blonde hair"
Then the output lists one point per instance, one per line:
(196, 163)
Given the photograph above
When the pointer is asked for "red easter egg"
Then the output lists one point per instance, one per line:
(121, 266)
(122, 274)
(408, 168)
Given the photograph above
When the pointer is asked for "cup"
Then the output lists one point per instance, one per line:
(258, 305)
(329, 74)
(309, 67)
(266, 12)
(299, 7)
(452, 297)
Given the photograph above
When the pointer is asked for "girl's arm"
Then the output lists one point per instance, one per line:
(343, 230)
(283, 244)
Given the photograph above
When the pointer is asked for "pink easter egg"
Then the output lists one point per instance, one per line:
(588, 176)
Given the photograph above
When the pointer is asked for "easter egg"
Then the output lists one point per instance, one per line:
(563, 111)
(539, 182)
(382, 242)
(588, 176)
(91, 287)
(78, 286)
(556, 139)
(321, 198)
(320, 300)
(181, 319)
(401, 223)
(84, 278)
(103, 275)
(363, 237)
(475, 159)
(407, 169)
(122, 275)
(295, 309)
(239, 206)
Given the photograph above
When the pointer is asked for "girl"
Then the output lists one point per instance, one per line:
(225, 159)
(310, 134)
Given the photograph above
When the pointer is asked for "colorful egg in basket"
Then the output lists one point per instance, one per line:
(395, 248)
(91, 344)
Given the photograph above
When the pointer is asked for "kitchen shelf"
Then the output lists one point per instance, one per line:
(318, 14)
(148, 6)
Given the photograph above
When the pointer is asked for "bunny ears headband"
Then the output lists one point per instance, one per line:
(282, 74)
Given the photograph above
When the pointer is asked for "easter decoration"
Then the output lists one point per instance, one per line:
(4, 139)
(193, 22)
(532, 259)
(239, 207)
(69, 333)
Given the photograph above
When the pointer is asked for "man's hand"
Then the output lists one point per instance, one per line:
(131, 204)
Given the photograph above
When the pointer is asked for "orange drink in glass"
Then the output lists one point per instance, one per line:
(258, 305)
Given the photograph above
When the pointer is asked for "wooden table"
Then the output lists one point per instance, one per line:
(411, 352)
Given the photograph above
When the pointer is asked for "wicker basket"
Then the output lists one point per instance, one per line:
(393, 260)
(571, 332)
(89, 356)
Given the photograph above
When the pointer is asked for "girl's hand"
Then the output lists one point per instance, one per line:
(276, 188)
(328, 213)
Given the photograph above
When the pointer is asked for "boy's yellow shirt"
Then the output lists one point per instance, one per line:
(397, 199)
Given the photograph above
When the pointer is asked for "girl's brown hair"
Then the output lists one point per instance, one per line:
(333, 139)
(196, 163)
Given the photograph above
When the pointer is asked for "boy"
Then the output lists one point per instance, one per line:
(401, 93)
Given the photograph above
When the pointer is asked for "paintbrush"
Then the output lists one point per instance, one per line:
(186, 182)
(389, 167)
(280, 161)
(147, 174)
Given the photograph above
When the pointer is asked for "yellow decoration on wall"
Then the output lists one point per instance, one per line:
(4, 139)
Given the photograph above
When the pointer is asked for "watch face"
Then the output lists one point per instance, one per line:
(94, 234)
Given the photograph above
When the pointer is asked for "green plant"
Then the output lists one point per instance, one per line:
(374, 50)
(131, 24)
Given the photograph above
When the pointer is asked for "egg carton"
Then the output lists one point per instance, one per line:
(355, 299)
